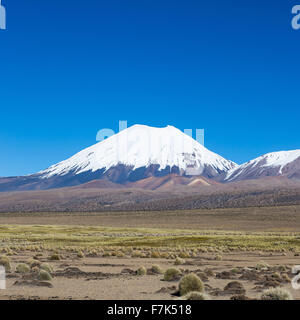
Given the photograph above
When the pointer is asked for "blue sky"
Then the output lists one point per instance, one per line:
(71, 68)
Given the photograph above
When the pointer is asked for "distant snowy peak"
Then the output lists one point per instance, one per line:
(283, 163)
(142, 146)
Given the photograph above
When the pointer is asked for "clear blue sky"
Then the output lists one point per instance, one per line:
(70, 68)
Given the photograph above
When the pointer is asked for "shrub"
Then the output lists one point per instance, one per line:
(276, 275)
(47, 267)
(285, 278)
(80, 254)
(44, 275)
(120, 254)
(171, 274)
(54, 257)
(218, 257)
(196, 295)
(164, 255)
(155, 255)
(178, 261)
(142, 271)
(34, 263)
(136, 254)
(190, 283)
(106, 254)
(184, 255)
(4, 261)
(234, 271)
(276, 294)
(23, 268)
(209, 272)
(262, 266)
(156, 269)
(281, 268)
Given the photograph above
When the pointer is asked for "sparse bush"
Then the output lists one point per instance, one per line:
(46, 267)
(285, 277)
(142, 271)
(262, 266)
(171, 274)
(54, 257)
(184, 255)
(209, 272)
(164, 255)
(276, 275)
(155, 255)
(4, 261)
(23, 268)
(136, 254)
(44, 275)
(276, 294)
(80, 254)
(120, 254)
(190, 283)
(196, 295)
(234, 271)
(218, 257)
(179, 261)
(281, 268)
(106, 254)
(156, 269)
(34, 263)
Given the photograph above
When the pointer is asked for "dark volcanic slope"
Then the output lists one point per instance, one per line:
(269, 192)
(115, 177)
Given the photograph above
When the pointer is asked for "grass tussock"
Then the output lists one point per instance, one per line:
(276, 294)
(196, 295)
(44, 275)
(156, 269)
(262, 266)
(171, 274)
(141, 271)
(54, 257)
(5, 262)
(46, 267)
(178, 261)
(22, 268)
(190, 283)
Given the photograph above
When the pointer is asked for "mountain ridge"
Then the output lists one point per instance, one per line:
(166, 156)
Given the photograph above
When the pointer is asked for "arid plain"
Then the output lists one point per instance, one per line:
(237, 253)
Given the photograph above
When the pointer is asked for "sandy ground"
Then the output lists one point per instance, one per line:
(114, 279)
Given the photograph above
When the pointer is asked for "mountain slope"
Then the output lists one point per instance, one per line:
(142, 147)
(283, 163)
(133, 154)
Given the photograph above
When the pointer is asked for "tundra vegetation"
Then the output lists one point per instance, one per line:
(188, 261)
(141, 242)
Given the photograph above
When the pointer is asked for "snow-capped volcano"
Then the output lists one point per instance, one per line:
(141, 151)
(283, 163)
